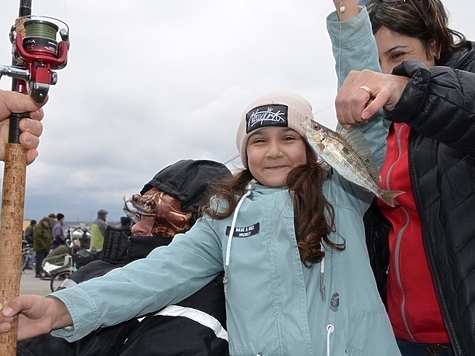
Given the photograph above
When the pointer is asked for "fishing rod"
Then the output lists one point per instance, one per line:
(39, 46)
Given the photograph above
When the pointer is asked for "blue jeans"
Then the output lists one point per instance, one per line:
(414, 349)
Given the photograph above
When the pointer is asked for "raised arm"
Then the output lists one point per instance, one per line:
(354, 49)
(353, 104)
(346, 9)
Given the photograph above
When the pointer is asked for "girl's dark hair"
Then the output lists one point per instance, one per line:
(313, 214)
(425, 20)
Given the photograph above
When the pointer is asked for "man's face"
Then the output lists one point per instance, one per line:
(155, 213)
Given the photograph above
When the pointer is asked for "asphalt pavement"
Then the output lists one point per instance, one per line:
(31, 285)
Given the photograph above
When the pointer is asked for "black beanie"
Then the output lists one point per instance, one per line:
(187, 181)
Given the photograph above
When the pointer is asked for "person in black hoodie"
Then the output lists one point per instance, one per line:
(166, 205)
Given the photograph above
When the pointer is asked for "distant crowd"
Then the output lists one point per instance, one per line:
(48, 237)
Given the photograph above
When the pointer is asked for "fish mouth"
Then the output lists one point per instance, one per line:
(310, 124)
(313, 130)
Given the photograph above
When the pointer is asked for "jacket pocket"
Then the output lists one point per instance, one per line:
(350, 350)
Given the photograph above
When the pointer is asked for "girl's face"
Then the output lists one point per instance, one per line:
(272, 153)
(393, 48)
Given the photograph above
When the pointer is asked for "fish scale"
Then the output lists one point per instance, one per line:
(349, 155)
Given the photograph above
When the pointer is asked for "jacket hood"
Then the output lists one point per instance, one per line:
(187, 181)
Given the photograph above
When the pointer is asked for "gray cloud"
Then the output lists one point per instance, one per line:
(151, 82)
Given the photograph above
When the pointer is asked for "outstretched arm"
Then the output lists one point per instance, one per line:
(36, 315)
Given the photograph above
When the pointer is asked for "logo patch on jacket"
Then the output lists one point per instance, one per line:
(265, 116)
(245, 231)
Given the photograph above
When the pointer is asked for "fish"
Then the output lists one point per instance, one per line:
(347, 153)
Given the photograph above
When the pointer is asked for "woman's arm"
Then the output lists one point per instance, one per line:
(438, 102)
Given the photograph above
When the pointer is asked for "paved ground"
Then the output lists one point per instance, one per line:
(31, 285)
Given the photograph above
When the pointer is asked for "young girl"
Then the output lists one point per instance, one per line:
(287, 232)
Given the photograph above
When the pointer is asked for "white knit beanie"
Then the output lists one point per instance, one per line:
(275, 109)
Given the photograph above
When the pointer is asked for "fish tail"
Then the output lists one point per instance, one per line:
(388, 196)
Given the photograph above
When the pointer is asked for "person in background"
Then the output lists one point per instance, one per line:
(422, 250)
(76, 245)
(176, 330)
(42, 240)
(98, 230)
(52, 220)
(124, 223)
(28, 234)
(57, 231)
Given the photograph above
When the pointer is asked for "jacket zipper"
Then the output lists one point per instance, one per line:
(400, 234)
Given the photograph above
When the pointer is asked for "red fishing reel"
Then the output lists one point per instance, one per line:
(40, 46)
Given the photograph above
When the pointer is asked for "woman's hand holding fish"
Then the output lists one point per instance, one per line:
(364, 93)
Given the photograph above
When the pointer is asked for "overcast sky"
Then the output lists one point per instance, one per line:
(151, 82)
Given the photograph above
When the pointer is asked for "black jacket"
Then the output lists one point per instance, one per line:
(439, 105)
(155, 334)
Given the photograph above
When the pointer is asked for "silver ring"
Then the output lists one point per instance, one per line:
(368, 90)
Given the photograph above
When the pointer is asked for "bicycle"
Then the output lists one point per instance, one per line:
(28, 256)
(59, 268)
(58, 279)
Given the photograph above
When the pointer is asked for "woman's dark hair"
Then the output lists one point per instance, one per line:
(425, 20)
(314, 215)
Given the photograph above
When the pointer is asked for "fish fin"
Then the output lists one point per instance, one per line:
(357, 141)
(388, 196)
(373, 170)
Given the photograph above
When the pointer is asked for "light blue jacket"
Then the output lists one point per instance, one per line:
(275, 305)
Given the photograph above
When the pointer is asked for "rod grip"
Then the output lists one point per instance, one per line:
(11, 229)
